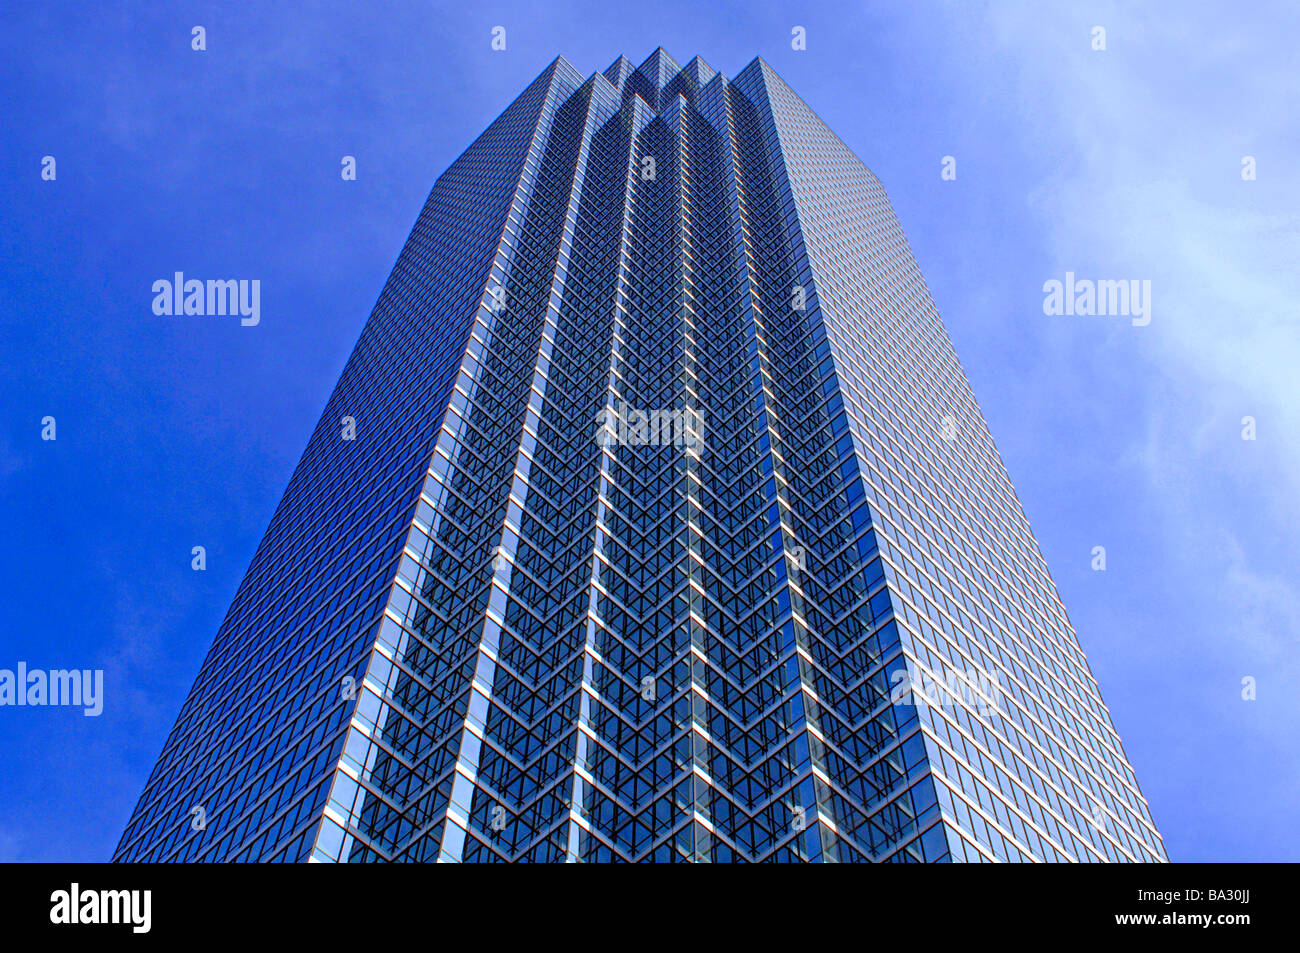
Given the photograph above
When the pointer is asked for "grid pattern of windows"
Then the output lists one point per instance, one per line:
(489, 629)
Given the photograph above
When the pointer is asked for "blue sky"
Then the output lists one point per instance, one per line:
(1123, 163)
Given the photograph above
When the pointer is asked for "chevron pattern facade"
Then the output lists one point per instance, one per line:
(493, 627)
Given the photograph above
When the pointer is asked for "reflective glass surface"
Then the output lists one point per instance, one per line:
(798, 615)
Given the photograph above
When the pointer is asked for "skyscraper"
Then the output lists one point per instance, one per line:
(652, 518)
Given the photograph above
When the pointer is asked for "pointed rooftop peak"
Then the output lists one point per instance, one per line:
(618, 71)
(659, 68)
(699, 70)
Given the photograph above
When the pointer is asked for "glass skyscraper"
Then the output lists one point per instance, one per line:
(652, 519)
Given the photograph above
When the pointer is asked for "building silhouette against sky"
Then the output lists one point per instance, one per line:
(652, 518)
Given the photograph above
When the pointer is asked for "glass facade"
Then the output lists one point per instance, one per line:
(670, 531)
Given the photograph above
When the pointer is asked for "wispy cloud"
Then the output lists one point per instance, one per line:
(1153, 189)
(1149, 138)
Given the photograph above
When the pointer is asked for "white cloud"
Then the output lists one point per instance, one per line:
(1156, 127)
